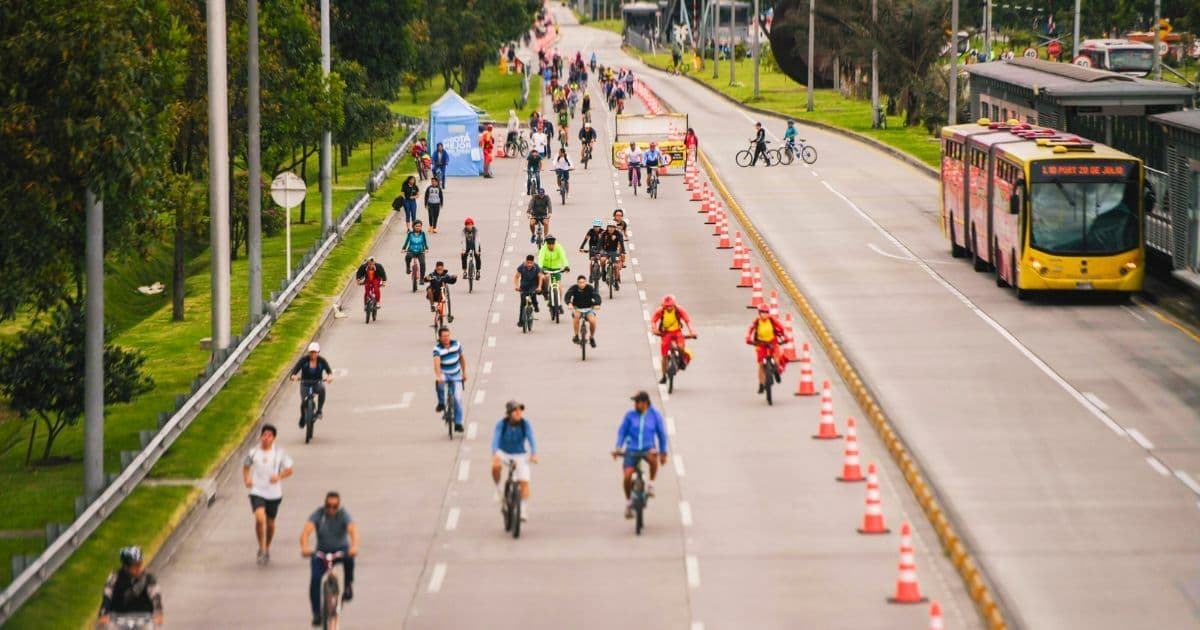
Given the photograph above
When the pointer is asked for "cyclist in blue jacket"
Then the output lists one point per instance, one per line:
(640, 428)
(513, 431)
(415, 246)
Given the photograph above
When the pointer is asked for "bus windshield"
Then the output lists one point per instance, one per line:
(1084, 217)
(1131, 60)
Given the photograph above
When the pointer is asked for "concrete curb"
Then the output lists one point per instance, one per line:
(924, 168)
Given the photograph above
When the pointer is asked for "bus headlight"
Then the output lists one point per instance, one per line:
(1128, 267)
(1039, 267)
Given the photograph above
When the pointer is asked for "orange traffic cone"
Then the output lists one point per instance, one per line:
(708, 198)
(723, 243)
(851, 471)
(756, 296)
(789, 348)
(697, 195)
(711, 219)
(774, 304)
(907, 589)
(827, 430)
(737, 256)
(747, 280)
(873, 518)
(806, 374)
(935, 616)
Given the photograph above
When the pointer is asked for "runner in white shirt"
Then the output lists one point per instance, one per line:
(263, 470)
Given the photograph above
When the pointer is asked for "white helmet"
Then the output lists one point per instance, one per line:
(314, 347)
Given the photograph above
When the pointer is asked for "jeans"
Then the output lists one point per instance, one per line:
(316, 386)
(521, 302)
(410, 210)
(317, 567)
(458, 404)
(434, 209)
(439, 171)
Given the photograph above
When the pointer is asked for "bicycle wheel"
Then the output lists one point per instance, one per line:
(515, 510)
(367, 310)
(583, 338)
(448, 413)
(808, 154)
(310, 418)
(563, 191)
(671, 369)
(770, 378)
(786, 156)
(504, 509)
(639, 508)
(470, 273)
(523, 144)
(329, 603)
(415, 273)
(743, 157)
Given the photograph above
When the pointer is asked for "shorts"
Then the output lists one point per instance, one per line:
(585, 312)
(522, 460)
(667, 336)
(761, 351)
(632, 457)
(270, 506)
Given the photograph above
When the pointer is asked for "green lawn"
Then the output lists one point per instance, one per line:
(9, 547)
(781, 94)
(496, 94)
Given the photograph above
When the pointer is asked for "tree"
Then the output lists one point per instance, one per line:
(372, 34)
(367, 118)
(40, 375)
(86, 101)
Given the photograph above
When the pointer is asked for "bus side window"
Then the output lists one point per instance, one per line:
(1014, 202)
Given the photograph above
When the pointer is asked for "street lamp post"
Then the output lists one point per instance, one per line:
(811, 61)
(93, 353)
(218, 173)
(1157, 38)
(254, 165)
(952, 117)
(327, 135)
(874, 71)
(1075, 38)
(757, 47)
(732, 46)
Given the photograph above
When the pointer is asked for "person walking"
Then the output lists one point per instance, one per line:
(407, 201)
(487, 142)
(440, 159)
(435, 196)
(760, 145)
(263, 471)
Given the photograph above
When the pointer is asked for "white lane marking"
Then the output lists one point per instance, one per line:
(685, 513)
(1096, 401)
(479, 396)
(515, 224)
(679, 469)
(495, 318)
(472, 430)
(1140, 439)
(974, 308)
(670, 425)
(506, 263)
(696, 625)
(642, 295)
(439, 576)
(1158, 466)
(637, 277)
(875, 248)
(509, 249)
(464, 470)
(405, 400)
(452, 519)
(1188, 481)
(340, 372)
(645, 315)
(500, 297)
(491, 342)
(814, 171)
(693, 572)
(633, 261)
(632, 247)
(487, 365)
(1134, 313)
(513, 235)
(662, 389)
(620, 201)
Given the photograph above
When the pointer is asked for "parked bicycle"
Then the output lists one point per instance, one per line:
(516, 145)
(511, 508)
(331, 590)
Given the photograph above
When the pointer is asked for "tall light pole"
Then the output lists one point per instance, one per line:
(811, 62)
(713, 23)
(1075, 38)
(874, 70)
(254, 166)
(1157, 38)
(953, 114)
(327, 135)
(987, 30)
(757, 47)
(93, 353)
(218, 173)
(732, 46)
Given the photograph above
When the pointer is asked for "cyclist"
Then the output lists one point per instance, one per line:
(416, 244)
(585, 107)
(653, 159)
(435, 281)
(371, 275)
(593, 61)
(528, 281)
(584, 302)
(636, 158)
(612, 247)
(533, 166)
(539, 211)
(336, 531)
(641, 435)
(668, 322)
(313, 371)
(767, 335)
(470, 245)
(760, 145)
(552, 259)
(450, 366)
(789, 135)
(587, 138)
(562, 167)
(263, 471)
(591, 241)
(512, 432)
(131, 590)
(629, 82)
(617, 98)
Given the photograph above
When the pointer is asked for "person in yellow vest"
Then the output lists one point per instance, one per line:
(668, 322)
(767, 335)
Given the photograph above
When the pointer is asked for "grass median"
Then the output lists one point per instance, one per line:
(779, 93)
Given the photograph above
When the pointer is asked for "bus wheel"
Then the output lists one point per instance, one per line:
(1022, 294)
(999, 264)
(976, 261)
(955, 250)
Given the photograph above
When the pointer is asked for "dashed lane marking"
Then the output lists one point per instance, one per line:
(633, 261)
(670, 425)
(500, 297)
(495, 318)
(693, 572)
(472, 430)
(452, 519)
(464, 470)
(637, 277)
(1140, 439)
(1158, 466)
(679, 469)
(487, 366)
(491, 342)
(439, 576)
(479, 396)
(1188, 481)
(685, 513)
(641, 295)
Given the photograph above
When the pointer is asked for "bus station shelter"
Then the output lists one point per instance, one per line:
(1182, 198)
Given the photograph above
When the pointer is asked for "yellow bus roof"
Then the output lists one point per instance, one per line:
(1030, 149)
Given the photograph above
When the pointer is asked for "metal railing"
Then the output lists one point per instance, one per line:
(1158, 218)
(222, 366)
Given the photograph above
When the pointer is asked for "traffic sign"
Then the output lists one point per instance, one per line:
(287, 190)
(1083, 61)
(1163, 49)
(1055, 49)
(1031, 53)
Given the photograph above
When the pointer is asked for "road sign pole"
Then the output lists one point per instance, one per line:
(218, 173)
(1157, 38)
(288, 191)
(327, 135)
(952, 116)
(811, 61)
(254, 165)
(1075, 39)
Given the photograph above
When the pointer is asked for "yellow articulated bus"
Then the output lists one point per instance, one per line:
(1042, 209)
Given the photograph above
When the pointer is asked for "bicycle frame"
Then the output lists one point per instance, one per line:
(331, 592)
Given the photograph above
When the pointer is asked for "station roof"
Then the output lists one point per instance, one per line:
(1075, 85)
(1188, 120)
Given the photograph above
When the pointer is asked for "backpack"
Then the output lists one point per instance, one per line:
(524, 431)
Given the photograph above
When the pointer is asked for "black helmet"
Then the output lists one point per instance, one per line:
(131, 555)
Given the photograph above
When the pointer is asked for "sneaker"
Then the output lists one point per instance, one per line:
(761, 388)
(319, 414)
(592, 342)
(440, 407)
(496, 495)
(649, 488)
(458, 428)
(778, 377)
(629, 509)
(478, 276)
(532, 240)
(316, 622)
(260, 558)
(301, 422)
(524, 513)
(663, 380)
(349, 594)
(266, 558)
(575, 339)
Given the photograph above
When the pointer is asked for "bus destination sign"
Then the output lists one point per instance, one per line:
(1081, 169)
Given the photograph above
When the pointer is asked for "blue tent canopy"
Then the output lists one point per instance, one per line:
(455, 123)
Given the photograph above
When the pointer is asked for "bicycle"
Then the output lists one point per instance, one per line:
(610, 274)
(370, 305)
(651, 182)
(532, 183)
(526, 312)
(331, 590)
(788, 153)
(563, 185)
(516, 145)
(442, 312)
(675, 362)
(553, 294)
(471, 271)
(745, 156)
(595, 269)
(539, 232)
(635, 177)
(415, 271)
(449, 410)
(770, 374)
(511, 508)
(584, 330)
(587, 155)
(638, 497)
(308, 407)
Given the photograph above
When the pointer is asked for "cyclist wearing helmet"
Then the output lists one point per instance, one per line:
(668, 322)
(653, 159)
(539, 211)
(587, 135)
(591, 240)
(767, 335)
(131, 590)
(612, 244)
(789, 135)
(470, 245)
(310, 369)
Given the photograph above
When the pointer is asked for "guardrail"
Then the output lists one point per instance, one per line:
(224, 364)
(1158, 218)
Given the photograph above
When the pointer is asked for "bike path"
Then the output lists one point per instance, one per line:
(1066, 514)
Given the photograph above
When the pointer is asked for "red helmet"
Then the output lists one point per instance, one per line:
(764, 308)
(469, 221)
(668, 300)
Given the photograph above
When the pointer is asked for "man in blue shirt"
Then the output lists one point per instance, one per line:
(513, 431)
(440, 160)
(640, 428)
(415, 246)
(450, 368)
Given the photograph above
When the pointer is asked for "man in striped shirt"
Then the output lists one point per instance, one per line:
(449, 366)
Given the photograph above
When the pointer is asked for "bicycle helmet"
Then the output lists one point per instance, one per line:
(469, 221)
(764, 308)
(131, 555)
(314, 347)
(541, 191)
(597, 223)
(668, 300)
(612, 224)
(551, 239)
